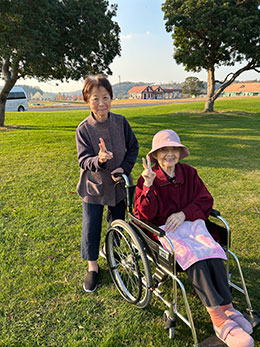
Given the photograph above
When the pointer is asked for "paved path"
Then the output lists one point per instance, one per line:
(75, 107)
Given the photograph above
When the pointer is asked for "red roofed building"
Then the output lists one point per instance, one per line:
(141, 92)
(243, 89)
(153, 92)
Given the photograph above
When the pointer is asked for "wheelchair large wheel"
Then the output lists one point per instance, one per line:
(128, 264)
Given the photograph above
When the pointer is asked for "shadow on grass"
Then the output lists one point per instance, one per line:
(37, 128)
(217, 140)
(201, 319)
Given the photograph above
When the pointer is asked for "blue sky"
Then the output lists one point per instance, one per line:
(147, 50)
(146, 47)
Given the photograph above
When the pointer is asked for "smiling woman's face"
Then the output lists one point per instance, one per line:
(167, 158)
(100, 103)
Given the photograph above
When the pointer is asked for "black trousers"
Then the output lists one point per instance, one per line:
(210, 281)
(92, 225)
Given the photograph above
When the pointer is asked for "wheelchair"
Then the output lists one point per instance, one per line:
(139, 265)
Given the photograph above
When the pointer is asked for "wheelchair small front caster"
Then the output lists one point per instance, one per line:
(169, 323)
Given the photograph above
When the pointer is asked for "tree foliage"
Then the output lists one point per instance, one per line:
(192, 86)
(211, 33)
(55, 39)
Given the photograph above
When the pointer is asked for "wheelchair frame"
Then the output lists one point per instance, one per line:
(129, 251)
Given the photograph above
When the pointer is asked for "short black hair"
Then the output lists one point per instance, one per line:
(97, 81)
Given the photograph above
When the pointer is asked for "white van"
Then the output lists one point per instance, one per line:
(16, 100)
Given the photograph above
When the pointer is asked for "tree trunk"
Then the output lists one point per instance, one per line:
(2, 113)
(209, 104)
(10, 76)
(212, 95)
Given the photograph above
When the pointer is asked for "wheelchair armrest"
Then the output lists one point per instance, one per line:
(149, 226)
(226, 236)
(215, 213)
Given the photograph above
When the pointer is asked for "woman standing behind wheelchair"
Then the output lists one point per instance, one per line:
(172, 194)
(106, 145)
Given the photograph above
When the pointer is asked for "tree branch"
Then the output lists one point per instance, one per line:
(247, 67)
(5, 69)
(222, 82)
(15, 69)
(10, 75)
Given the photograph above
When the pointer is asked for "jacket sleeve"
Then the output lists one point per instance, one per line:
(146, 202)
(87, 158)
(132, 148)
(201, 200)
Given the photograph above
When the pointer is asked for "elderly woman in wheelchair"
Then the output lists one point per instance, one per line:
(172, 205)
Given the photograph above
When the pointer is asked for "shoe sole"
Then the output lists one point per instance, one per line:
(88, 290)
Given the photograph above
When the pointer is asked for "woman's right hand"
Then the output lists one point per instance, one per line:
(148, 174)
(103, 154)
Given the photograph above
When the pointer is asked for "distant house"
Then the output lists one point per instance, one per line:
(172, 93)
(243, 89)
(153, 92)
(141, 92)
(37, 96)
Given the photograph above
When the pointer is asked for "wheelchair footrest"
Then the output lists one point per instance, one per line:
(254, 318)
(160, 275)
(212, 341)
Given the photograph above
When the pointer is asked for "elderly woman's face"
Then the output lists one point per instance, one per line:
(167, 157)
(100, 103)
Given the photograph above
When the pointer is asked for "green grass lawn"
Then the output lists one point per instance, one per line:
(41, 298)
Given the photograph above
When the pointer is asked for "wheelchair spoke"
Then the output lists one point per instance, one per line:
(126, 264)
(126, 267)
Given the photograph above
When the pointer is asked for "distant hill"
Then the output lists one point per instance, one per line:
(30, 90)
(120, 90)
(171, 85)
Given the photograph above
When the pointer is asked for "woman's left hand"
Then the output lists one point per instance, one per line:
(118, 170)
(174, 221)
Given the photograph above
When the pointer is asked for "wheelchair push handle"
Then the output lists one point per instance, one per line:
(128, 188)
(215, 213)
(125, 178)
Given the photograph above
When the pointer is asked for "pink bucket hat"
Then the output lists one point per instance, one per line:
(167, 138)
